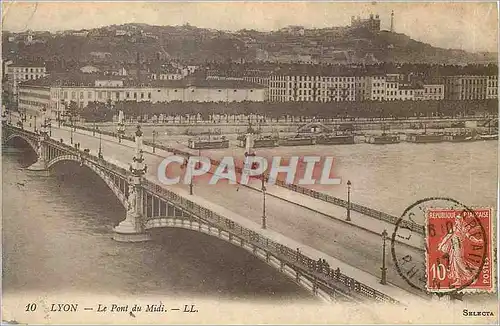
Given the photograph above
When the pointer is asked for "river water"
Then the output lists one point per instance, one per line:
(57, 239)
(392, 177)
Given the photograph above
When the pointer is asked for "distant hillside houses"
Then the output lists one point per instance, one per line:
(154, 71)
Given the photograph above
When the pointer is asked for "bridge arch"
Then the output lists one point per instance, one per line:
(299, 277)
(29, 141)
(94, 168)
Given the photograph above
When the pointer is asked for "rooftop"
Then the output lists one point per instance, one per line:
(88, 80)
(28, 64)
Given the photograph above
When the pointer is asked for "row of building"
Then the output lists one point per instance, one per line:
(35, 88)
(57, 91)
(388, 87)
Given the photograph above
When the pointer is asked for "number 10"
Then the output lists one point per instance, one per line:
(440, 271)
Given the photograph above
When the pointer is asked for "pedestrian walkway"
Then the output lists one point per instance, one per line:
(359, 220)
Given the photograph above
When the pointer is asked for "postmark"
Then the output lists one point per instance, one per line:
(457, 251)
(415, 265)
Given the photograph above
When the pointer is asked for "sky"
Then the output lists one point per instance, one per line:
(471, 26)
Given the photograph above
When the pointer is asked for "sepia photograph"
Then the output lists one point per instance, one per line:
(291, 162)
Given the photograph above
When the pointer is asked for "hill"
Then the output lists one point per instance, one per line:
(338, 45)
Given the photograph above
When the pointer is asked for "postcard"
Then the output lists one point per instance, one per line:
(249, 162)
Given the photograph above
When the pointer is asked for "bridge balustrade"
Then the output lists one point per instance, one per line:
(295, 259)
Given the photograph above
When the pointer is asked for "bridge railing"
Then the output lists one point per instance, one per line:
(100, 131)
(318, 269)
(353, 206)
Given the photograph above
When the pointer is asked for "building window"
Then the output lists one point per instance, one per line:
(149, 95)
(135, 95)
(142, 95)
(127, 95)
(117, 95)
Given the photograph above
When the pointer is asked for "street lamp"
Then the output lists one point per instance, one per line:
(264, 226)
(191, 181)
(383, 280)
(35, 124)
(71, 129)
(155, 133)
(100, 143)
(348, 200)
(93, 130)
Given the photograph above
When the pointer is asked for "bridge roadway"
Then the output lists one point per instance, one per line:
(355, 251)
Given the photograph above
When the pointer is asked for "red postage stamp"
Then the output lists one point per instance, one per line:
(459, 250)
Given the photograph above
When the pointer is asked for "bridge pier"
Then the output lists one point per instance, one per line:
(40, 166)
(132, 228)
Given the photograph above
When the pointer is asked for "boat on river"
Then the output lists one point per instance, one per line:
(488, 137)
(334, 139)
(383, 139)
(458, 137)
(424, 138)
(210, 143)
(298, 140)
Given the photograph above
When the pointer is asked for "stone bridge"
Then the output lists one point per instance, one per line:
(150, 205)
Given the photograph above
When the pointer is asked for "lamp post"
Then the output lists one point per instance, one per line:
(71, 128)
(100, 143)
(348, 218)
(264, 226)
(155, 133)
(59, 114)
(191, 181)
(93, 130)
(35, 124)
(383, 279)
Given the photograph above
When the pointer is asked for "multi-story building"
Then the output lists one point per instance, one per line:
(339, 89)
(34, 98)
(406, 93)
(284, 88)
(361, 88)
(465, 87)
(376, 88)
(433, 92)
(23, 71)
(56, 92)
(492, 87)
(392, 83)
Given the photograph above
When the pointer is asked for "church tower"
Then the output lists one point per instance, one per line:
(392, 22)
